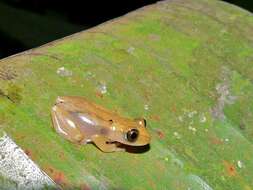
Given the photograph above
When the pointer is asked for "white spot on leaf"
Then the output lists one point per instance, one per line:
(130, 50)
(202, 118)
(191, 114)
(89, 75)
(177, 135)
(102, 88)
(193, 129)
(180, 118)
(62, 71)
(239, 164)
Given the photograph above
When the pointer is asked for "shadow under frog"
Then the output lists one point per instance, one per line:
(81, 121)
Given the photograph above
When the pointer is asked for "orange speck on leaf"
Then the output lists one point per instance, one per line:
(99, 94)
(61, 155)
(155, 117)
(28, 152)
(173, 109)
(20, 136)
(51, 170)
(160, 134)
(56, 175)
(230, 168)
(216, 141)
(59, 178)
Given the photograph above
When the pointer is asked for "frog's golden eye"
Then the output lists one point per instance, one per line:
(132, 135)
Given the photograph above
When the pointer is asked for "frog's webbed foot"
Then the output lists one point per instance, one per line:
(105, 145)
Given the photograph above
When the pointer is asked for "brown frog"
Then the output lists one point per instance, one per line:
(81, 121)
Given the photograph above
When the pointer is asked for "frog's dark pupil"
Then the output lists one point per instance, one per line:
(132, 135)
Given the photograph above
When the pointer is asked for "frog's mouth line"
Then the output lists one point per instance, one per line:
(122, 145)
(128, 148)
(134, 149)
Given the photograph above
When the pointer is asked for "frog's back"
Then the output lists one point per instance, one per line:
(94, 110)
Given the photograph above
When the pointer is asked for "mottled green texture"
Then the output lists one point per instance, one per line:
(185, 65)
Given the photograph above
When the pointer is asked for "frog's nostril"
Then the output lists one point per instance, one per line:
(132, 135)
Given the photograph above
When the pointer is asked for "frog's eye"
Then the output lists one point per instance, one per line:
(132, 135)
(111, 121)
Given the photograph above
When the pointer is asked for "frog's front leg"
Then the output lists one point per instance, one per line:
(103, 143)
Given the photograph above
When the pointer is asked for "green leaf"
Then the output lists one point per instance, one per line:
(186, 66)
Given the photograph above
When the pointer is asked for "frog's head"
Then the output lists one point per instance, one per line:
(130, 132)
